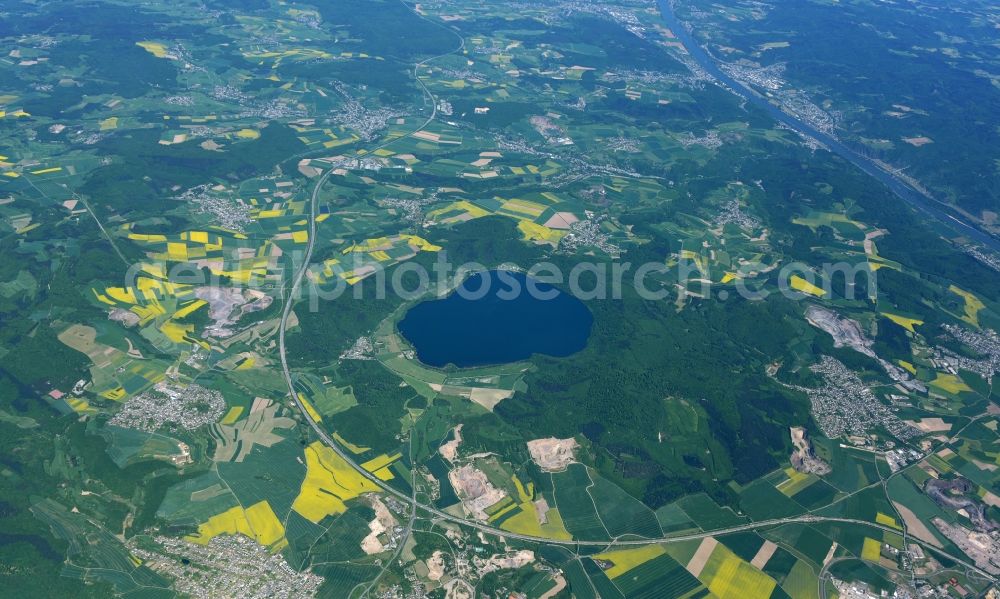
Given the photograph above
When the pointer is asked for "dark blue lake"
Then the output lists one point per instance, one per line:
(495, 318)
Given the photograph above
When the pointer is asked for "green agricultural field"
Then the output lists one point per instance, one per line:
(576, 506)
(215, 217)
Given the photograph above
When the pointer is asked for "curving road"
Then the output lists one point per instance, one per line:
(486, 528)
(433, 511)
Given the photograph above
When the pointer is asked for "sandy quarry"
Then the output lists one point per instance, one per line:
(505, 561)
(475, 490)
(126, 317)
(551, 454)
(449, 450)
(845, 332)
(435, 566)
(384, 520)
(226, 305)
(803, 459)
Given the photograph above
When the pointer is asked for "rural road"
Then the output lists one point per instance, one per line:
(933, 208)
(289, 298)
(297, 278)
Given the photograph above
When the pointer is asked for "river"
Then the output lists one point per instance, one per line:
(900, 188)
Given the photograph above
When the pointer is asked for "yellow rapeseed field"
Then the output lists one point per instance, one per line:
(257, 522)
(329, 482)
(626, 559)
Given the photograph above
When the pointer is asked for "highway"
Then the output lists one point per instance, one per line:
(903, 190)
(432, 511)
(297, 279)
